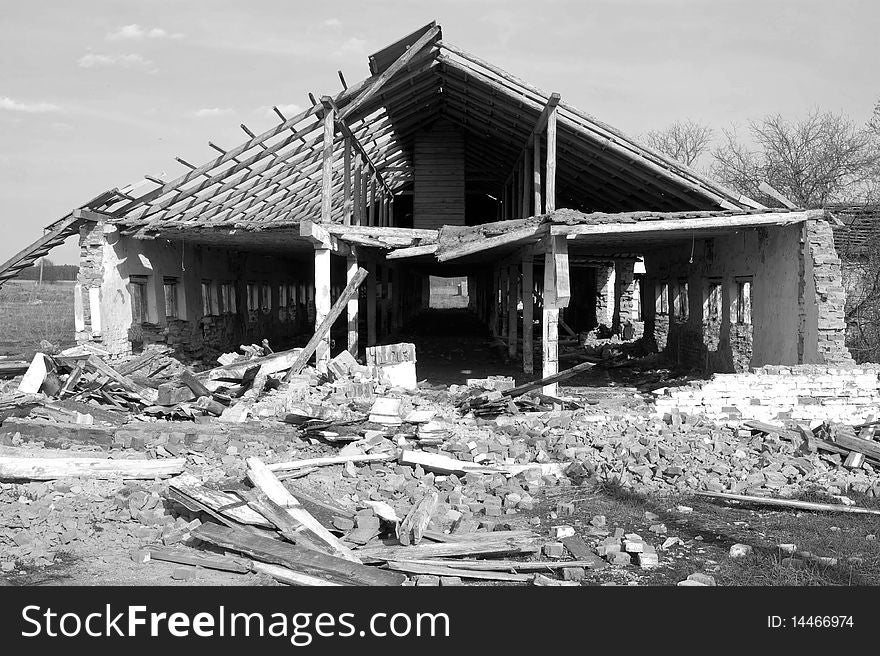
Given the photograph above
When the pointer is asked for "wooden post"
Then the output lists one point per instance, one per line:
(327, 166)
(550, 195)
(526, 191)
(550, 324)
(528, 310)
(322, 304)
(372, 220)
(352, 310)
(346, 182)
(364, 197)
(371, 302)
(505, 298)
(536, 171)
(356, 191)
(512, 314)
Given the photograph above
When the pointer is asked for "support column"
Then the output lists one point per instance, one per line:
(372, 211)
(426, 292)
(623, 293)
(605, 295)
(327, 164)
(550, 326)
(550, 182)
(346, 182)
(528, 310)
(536, 171)
(322, 304)
(526, 183)
(352, 308)
(371, 302)
(512, 314)
(397, 297)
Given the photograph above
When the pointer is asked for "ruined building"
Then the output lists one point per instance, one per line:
(442, 164)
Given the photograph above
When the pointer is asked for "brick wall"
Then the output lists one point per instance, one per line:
(830, 294)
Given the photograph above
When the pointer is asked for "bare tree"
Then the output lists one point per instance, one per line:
(822, 159)
(684, 140)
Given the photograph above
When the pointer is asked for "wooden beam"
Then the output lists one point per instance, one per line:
(389, 72)
(346, 181)
(527, 183)
(540, 124)
(412, 251)
(327, 163)
(528, 310)
(479, 245)
(550, 176)
(559, 247)
(776, 195)
(356, 143)
(684, 225)
(536, 172)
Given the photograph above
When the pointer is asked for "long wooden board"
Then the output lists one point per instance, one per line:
(297, 558)
(47, 469)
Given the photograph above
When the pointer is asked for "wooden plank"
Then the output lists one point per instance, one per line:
(55, 430)
(443, 570)
(790, 503)
(496, 564)
(263, 478)
(267, 364)
(324, 328)
(775, 195)
(501, 547)
(199, 559)
(412, 251)
(536, 172)
(381, 232)
(294, 557)
(289, 576)
(562, 290)
(47, 469)
(330, 460)
(346, 180)
(548, 380)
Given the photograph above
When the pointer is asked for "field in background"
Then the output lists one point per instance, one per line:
(30, 313)
(448, 293)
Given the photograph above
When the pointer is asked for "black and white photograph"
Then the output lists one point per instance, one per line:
(477, 296)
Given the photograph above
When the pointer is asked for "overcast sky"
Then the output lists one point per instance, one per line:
(96, 93)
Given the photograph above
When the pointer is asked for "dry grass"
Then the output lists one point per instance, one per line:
(31, 313)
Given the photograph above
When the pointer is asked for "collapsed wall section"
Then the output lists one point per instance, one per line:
(774, 393)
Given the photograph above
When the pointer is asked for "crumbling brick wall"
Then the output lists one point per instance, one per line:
(90, 274)
(624, 290)
(830, 296)
(773, 393)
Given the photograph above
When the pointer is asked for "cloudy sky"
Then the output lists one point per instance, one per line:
(96, 93)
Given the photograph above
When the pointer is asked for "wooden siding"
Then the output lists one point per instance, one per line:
(439, 177)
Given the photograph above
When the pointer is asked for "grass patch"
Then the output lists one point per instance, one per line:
(30, 313)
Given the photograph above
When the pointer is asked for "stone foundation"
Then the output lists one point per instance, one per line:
(776, 393)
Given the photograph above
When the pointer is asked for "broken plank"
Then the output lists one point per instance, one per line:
(790, 503)
(442, 570)
(199, 559)
(263, 478)
(549, 380)
(145, 393)
(47, 469)
(289, 576)
(505, 565)
(331, 460)
(41, 429)
(412, 528)
(220, 502)
(295, 557)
